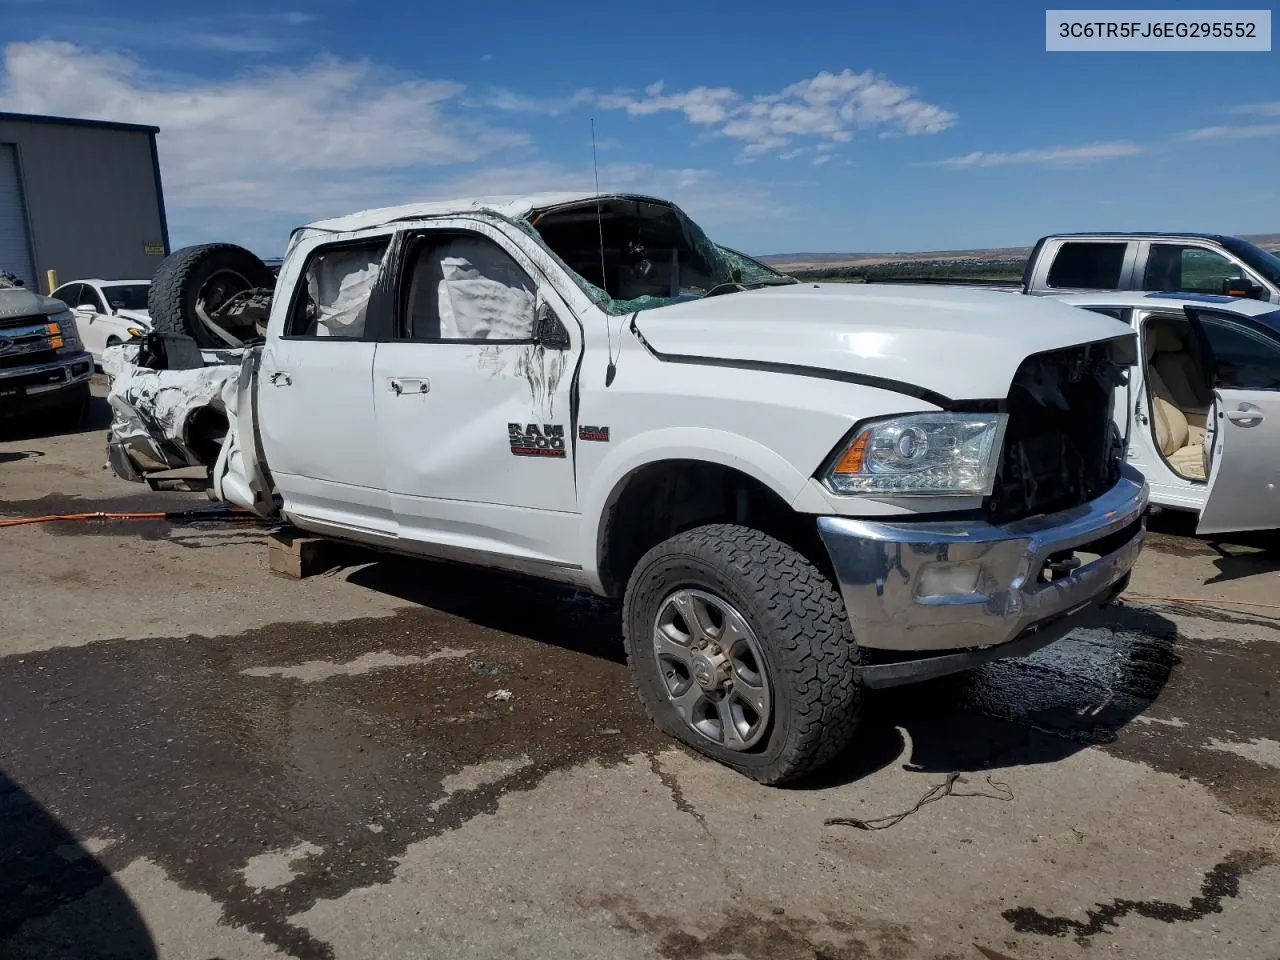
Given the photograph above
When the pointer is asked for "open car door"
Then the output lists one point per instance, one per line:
(1243, 434)
(240, 476)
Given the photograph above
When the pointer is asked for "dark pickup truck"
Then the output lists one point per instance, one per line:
(44, 369)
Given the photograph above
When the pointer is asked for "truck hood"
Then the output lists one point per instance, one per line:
(959, 343)
(21, 302)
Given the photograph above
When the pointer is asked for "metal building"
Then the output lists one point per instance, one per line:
(81, 197)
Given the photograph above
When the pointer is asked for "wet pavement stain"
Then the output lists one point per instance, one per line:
(1222, 882)
(761, 935)
(168, 748)
(171, 747)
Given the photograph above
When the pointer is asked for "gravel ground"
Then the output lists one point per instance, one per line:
(203, 760)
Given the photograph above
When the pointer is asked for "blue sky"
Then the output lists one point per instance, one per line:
(826, 127)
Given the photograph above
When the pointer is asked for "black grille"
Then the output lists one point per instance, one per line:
(31, 359)
(37, 321)
(1060, 447)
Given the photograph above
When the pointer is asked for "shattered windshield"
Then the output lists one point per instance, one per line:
(632, 254)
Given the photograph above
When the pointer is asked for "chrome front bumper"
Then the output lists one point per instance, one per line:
(938, 586)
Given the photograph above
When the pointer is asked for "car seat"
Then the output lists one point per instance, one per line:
(1179, 400)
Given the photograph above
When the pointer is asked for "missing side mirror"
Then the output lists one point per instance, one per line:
(551, 333)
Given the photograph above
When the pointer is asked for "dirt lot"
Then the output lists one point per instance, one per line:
(202, 760)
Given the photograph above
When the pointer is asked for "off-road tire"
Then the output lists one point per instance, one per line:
(172, 296)
(800, 622)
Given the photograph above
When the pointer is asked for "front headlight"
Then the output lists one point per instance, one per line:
(922, 454)
(62, 330)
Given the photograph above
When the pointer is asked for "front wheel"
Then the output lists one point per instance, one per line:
(740, 647)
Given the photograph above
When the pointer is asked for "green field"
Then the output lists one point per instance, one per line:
(931, 269)
(946, 269)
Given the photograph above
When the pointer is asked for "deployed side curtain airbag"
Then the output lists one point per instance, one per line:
(483, 294)
(339, 283)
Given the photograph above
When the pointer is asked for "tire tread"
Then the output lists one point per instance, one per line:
(808, 629)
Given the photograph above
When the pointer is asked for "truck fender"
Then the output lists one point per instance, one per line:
(679, 443)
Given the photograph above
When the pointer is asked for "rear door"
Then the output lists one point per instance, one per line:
(1085, 264)
(315, 395)
(1244, 468)
(240, 475)
(473, 398)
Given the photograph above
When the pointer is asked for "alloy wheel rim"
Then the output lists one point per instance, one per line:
(712, 668)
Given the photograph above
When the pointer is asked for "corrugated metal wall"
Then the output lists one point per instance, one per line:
(92, 199)
(15, 243)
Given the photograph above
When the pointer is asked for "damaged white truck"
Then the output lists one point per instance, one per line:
(797, 490)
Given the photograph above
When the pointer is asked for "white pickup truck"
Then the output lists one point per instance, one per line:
(796, 489)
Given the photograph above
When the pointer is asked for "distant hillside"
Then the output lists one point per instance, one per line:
(990, 261)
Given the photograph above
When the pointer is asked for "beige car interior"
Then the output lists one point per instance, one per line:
(1180, 401)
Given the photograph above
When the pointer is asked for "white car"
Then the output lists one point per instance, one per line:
(1201, 410)
(107, 311)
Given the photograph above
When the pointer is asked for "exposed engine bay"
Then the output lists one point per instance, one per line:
(1061, 448)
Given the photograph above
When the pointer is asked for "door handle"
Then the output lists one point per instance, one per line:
(1246, 416)
(408, 385)
(1137, 412)
(279, 379)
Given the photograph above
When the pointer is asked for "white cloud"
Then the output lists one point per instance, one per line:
(509, 101)
(230, 32)
(1047, 156)
(699, 105)
(829, 108)
(247, 159)
(286, 139)
(1243, 132)
(1269, 109)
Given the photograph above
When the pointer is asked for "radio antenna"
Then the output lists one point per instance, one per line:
(595, 169)
(611, 370)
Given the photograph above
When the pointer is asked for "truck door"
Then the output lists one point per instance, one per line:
(1244, 425)
(240, 474)
(473, 398)
(315, 395)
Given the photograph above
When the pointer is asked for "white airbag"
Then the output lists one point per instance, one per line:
(483, 294)
(339, 283)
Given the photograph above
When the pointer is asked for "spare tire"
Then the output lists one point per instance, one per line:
(191, 283)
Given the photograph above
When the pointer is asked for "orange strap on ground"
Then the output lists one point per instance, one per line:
(101, 515)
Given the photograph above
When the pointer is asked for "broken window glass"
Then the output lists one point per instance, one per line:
(631, 254)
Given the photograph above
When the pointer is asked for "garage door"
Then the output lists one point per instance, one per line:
(15, 244)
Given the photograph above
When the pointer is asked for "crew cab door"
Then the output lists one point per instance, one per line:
(240, 475)
(473, 398)
(1244, 470)
(315, 395)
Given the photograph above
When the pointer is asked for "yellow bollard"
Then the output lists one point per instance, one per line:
(52, 279)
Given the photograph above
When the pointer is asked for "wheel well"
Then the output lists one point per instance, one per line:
(206, 429)
(662, 499)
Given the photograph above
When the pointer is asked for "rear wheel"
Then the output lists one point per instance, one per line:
(193, 285)
(740, 648)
